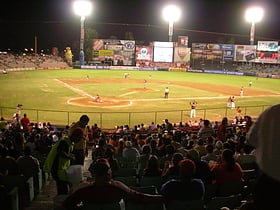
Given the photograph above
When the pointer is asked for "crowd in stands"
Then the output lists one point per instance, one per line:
(260, 69)
(9, 62)
(186, 161)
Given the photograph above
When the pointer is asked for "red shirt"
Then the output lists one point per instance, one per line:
(25, 122)
(111, 192)
(222, 175)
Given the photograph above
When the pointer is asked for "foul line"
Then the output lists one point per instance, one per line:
(130, 102)
(85, 94)
(76, 90)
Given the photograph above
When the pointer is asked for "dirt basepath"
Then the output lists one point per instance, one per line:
(87, 100)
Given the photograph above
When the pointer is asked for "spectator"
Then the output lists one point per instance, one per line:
(168, 125)
(227, 170)
(31, 142)
(205, 131)
(172, 168)
(16, 145)
(248, 123)
(130, 152)
(96, 131)
(186, 187)
(114, 163)
(183, 149)
(106, 190)
(222, 130)
(190, 144)
(80, 147)
(135, 143)
(200, 147)
(218, 148)
(8, 164)
(152, 126)
(120, 147)
(202, 168)
(28, 165)
(215, 125)
(152, 168)
(25, 122)
(144, 158)
(170, 150)
(99, 150)
(264, 136)
(59, 159)
(210, 157)
(154, 147)
(246, 158)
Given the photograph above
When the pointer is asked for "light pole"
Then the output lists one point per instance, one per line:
(82, 8)
(171, 14)
(253, 15)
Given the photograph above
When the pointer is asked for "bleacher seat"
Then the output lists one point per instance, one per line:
(232, 202)
(185, 205)
(25, 188)
(125, 172)
(130, 181)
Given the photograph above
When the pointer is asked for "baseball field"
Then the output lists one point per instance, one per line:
(61, 96)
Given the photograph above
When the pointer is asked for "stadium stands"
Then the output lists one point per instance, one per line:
(10, 62)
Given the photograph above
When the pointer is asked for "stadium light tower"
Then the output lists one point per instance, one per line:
(253, 15)
(82, 8)
(171, 14)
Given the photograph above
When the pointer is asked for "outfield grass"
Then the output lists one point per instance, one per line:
(40, 90)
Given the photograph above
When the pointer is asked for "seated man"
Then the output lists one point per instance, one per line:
(28, 165)
(106, 190)
(186, 187)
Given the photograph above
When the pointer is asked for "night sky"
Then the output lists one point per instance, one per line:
(55, 24)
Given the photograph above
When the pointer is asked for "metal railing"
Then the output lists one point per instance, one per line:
(109, 120)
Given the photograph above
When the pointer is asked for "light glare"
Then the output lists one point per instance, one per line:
(171, 13)
(82, 8)
(254, 14)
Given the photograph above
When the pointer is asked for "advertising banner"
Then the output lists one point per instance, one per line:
(207, 51)
(228, 51)
(266, 57)
(117, 52)
(144, 55)
(245, 53)
(182, 54)
(278, 54)
(183, 41)
(271, 46)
